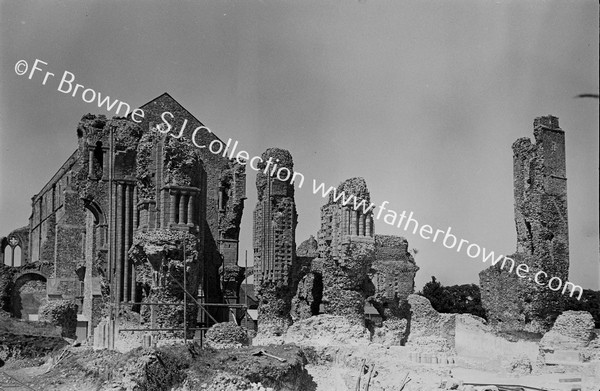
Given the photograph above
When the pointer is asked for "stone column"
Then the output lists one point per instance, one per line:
(172, 207)
(361, 224)
(104, 164)
(190, 210)
(119, 247)
(182, 208)
(136, 214)
(127, 241)
(91, 163)
(274, 249)
(348, 221)
(369, 224)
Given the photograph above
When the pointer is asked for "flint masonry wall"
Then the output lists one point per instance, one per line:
(540, 191)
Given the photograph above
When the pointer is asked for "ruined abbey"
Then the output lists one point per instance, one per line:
(134, 213)
(105, 229)
(133, 210)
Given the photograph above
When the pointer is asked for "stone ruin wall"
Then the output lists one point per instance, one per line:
(393, 275)
(346, 253)
(219, 198)
(161, 184)
(540, 192)
(349, 265)
(275, 221)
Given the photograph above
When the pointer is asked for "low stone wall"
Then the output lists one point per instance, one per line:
(326, 330)
(428, 329)
(474, 338)
(572, 330)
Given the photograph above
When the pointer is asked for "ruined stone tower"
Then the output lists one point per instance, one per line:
(346, 252)
(540, 191)
(275, 220)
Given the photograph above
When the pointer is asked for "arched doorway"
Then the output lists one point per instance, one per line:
(28, 295)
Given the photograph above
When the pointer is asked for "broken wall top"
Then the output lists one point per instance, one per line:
(282, 159)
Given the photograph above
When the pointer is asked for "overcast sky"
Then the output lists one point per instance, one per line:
(422, 99)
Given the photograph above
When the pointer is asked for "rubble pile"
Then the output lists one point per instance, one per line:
(226, 335)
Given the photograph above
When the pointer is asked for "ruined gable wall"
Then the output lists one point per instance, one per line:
(221, 180)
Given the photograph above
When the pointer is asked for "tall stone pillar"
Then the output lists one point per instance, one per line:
(540, 192)
(275, 220)
(127, 239)
(119, 241)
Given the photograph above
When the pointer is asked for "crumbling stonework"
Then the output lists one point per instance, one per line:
(476, 339)
(540, 190)
(572, 330)
(23, 289)
(309, 290)
(393, 278)
(349, 264)
(309, 248)
(346, 252)
(226, 335)
(159, 265)
(125, 180)
(275, 220)
(428, 329)
(327, 330)
(308, 296)
(62, 313)
(519, 365)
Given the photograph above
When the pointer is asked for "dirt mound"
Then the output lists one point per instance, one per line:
(15, 347)
(177, 367)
